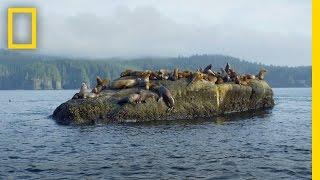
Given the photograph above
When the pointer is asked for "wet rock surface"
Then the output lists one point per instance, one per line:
(199, 100)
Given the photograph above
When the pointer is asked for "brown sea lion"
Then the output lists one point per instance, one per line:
(138, 97)
(241, 80)
(145, 95)
(245, 80)
(197, 76)
(102, 84)
(211, 78)
(232, 74)
(219, 80)
(185, 74)
(124, 82)
(132, 98)
(250, 76)
(130, 72)
(261, 74)
(164, 94)
(175, 75)
(143, 82)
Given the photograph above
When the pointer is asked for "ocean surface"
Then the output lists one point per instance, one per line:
(273, 144)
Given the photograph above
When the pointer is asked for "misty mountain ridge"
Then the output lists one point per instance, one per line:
(25, 70)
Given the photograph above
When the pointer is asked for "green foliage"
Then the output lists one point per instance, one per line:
(30, 71)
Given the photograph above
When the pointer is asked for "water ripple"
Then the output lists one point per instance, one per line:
(269, 144)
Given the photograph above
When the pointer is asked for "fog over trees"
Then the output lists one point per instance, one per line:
(31, 71)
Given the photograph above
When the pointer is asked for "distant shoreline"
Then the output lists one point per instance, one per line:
(32, 72)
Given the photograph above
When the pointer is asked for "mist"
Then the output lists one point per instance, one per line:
(273, 32)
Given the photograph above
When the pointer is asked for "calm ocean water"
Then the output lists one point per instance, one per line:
(267, 145)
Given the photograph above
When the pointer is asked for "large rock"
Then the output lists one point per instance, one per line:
(199, 100)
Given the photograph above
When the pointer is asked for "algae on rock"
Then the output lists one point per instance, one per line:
(199, 100)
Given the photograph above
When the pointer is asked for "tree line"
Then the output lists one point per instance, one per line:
(33, 71)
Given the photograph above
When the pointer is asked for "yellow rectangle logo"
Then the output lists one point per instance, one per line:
(33, 12)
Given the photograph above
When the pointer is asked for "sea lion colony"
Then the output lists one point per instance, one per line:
(150, 87)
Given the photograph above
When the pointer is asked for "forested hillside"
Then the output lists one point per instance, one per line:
(31, 71)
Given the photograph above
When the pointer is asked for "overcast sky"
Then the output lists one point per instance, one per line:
(272, 32)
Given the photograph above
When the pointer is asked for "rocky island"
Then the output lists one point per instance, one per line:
(163, 95)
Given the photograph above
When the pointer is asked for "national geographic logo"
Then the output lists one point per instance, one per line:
(24, 10)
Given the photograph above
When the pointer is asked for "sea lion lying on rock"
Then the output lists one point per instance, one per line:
(141, 74)
(145, 95)
(241, 80)
(139, 97)
(250, 76)
(128, 82)
(132, 98)
(197, 76)
(184, 74)
(84, 93)
(163, 74)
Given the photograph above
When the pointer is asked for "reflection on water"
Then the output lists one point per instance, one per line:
(264, 144)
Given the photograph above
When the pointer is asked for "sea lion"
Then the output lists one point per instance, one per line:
(153, 75)
(207, 68)
(250, 76)
(175, 75)
(124, 82)
(145, 95)
(227, 68)
(197, 76)
(219, 80)
(102, 84)
(165, 95)
(232, 74)
(132, 98)
(224, 75)
(185, 74)
(163, 74)
(245, 80)
(143, 82)
(84, 93)
(211, 78)
(129, 72)
(126, 72)
(241, 80)
(138, 97)
(210, 72)
(261, 74)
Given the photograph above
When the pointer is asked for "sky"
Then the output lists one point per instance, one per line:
(274, 32)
